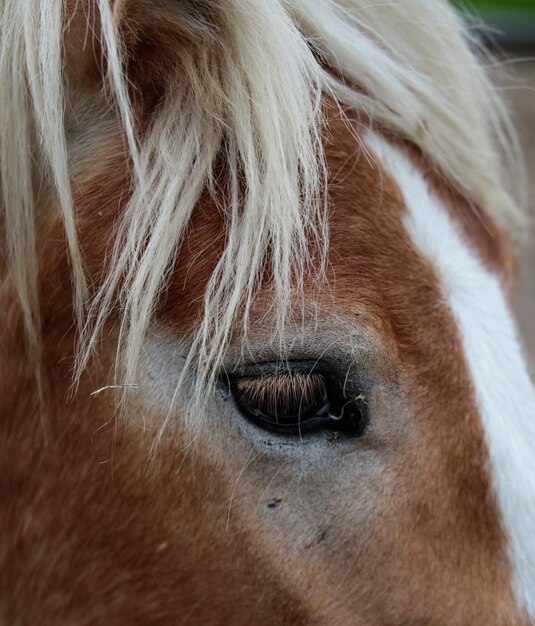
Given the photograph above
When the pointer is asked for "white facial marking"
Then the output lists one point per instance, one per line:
(504, 391)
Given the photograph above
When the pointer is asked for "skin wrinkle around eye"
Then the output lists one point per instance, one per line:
(353, 354)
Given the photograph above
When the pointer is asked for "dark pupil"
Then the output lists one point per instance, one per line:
(297, 403)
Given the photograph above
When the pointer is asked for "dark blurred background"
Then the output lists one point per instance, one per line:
(508, 27)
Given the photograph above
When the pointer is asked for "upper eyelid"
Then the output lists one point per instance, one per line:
(273, 368)
(355, 352)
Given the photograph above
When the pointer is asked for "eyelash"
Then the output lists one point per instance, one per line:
(298, 403)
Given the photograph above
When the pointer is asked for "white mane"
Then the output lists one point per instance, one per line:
(253, 85)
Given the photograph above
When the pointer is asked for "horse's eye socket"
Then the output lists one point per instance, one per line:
(296, 403)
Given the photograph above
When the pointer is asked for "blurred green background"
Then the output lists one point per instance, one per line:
(511, 21)
(504, 3)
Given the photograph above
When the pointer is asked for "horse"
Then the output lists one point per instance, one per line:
(258, 356)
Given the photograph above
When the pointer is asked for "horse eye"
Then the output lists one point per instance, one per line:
(297, 403)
